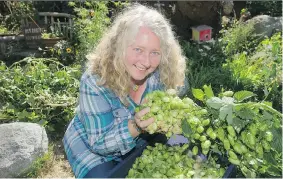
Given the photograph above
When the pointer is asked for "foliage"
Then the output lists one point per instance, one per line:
(261, 70)
(246, 132)
(205, 54)
(41, 91)
(204, 63)
(62, 50)
(238, 38)
(17, 11)
(216, 76)
(89, 25)
(3, 29)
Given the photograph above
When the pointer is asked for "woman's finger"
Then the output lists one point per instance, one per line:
(145, 123)
(144, 101)
(142, 112)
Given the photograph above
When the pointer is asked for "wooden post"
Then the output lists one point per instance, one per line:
(71, 27)
(45, 20)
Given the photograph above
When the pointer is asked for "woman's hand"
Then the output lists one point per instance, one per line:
(136, 125)
(143, 123)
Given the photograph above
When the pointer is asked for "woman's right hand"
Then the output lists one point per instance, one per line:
(143, 123)
(136, 125)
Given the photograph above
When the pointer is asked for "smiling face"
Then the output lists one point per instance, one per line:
(143, 55)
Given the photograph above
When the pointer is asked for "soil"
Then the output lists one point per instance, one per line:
(58, 166)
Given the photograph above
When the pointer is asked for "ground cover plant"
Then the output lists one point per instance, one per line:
(41, 91)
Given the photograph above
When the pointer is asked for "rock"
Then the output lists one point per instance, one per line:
(227, 7)
(265, 25)
(20, 145)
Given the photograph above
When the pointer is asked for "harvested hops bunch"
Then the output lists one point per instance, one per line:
(164, 161)
(168, 110)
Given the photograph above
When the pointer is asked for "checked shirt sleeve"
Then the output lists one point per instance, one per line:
(104, 135)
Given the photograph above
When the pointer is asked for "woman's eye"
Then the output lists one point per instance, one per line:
(155, 53)
(138, 50)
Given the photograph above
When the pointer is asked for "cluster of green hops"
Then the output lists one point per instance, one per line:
(162, 161)
(168, 111)
(248, 148)
(200, 123)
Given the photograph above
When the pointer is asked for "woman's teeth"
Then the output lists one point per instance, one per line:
(140, 68)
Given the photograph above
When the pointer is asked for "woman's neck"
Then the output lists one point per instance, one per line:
(137, 91)
(138, 82)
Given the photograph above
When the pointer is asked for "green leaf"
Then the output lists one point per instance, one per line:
(226, 113)
(239, 124)
(214, 102)
(244, 112)
(198, 94)
(186, 128)
(274, 167)
(228, 100)
(276, 144)
(208, 91)
(242, 95)
(267, 115)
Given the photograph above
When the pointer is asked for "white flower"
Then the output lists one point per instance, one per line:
(206, 47)
(203, 54)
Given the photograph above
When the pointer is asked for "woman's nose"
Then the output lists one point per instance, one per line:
(146, 60)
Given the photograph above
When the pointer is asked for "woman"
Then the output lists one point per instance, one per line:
(137, 55)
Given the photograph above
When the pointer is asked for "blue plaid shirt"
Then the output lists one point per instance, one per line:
(99, 131)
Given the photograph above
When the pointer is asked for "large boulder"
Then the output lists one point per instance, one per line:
(265, 25)
(20, 145)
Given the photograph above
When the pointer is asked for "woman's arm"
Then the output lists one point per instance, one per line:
(105, 137)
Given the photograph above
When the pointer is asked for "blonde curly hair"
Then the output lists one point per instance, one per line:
(107, 60)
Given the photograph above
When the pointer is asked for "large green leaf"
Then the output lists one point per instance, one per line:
(208, 91)
(214, 102)
(244, 112)
(242, 95)
(276, 144)
(198, 94)
(226, 113)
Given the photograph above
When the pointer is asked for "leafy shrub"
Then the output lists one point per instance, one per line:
(39, 90)
(261, 70)
(204, 54)
(204, 66)
(89, 25)
(14, 16)
(217, 77)
(3, 30)
(63, 50)
(238, 38)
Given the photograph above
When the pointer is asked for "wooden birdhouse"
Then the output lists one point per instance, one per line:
(201, 33)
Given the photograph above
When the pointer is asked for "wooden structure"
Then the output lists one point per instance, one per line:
(59, 24)
(65, 26)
